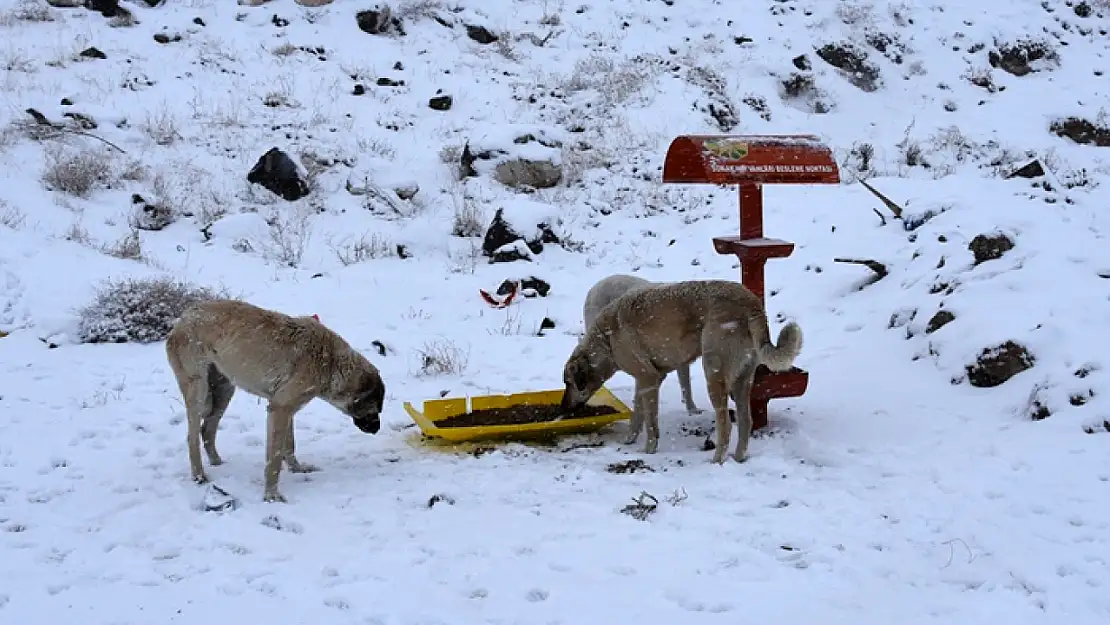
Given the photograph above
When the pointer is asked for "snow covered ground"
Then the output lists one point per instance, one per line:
(893, 491)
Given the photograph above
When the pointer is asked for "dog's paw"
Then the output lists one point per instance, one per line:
(200, 478)
(274, 497)
(651, 446)
(719, 457)
(694, 411)
(630, 439)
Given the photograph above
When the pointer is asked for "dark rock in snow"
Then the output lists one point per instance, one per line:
(379, 21)
(481, 34)
(441, 103)
(107, 8)
(996, 365)
(148, 216)
(504, 243)
(279, 173)
(93, 53)
(1030, 170)
(989, 247)
(939, 320)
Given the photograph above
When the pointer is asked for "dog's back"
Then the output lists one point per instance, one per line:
(606, 291)
(672, 322)
(256, 348)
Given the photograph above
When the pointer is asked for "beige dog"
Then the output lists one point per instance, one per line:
(649, 332)
(610, 288)
(219, 345)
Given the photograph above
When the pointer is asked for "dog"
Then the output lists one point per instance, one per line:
(608, 290)
(220, 345)
(649, 332)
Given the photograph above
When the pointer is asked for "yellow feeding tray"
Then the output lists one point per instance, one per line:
(441, 410)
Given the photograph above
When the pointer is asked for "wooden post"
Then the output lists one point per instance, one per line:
(750, 162)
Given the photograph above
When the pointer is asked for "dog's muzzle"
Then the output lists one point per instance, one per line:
(370, 426)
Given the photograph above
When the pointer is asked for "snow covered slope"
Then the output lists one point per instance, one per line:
(947, 465)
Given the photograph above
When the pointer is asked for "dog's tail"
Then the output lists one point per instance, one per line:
(781, 357)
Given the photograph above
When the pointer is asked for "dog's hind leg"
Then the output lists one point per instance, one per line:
(687, 394)
(717, 387)
(742, 395)
(221, 390)
(189, 371)
(198, 402)
(647, 403)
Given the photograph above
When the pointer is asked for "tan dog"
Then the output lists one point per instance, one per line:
(219, 345)
(649, 332)
(610, 288)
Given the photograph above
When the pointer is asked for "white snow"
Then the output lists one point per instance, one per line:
(891, 492)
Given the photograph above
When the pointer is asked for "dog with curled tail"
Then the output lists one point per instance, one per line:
(649, 332)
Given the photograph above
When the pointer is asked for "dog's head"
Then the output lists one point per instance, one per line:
(366, 406)
(584, 374)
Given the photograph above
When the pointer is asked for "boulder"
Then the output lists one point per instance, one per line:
(517, 156)
(986, 247)
(995, 365)
(519, 230)
(148, 216)
(379, 20)
(278, 172)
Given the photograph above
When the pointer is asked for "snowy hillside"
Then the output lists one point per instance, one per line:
(948, 463)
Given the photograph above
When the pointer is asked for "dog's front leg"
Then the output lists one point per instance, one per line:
(687, 393)
(291, 461)
(278, 420)
(636, 423)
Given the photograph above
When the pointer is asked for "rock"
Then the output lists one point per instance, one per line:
(1082, 131)
(989, 247)
(441, 103)
(1022, 57)
(939, 320)
(802, 62)
(516, 155)
(853, 63)
(373, 177)
(166, 38)
(406, 190)
(522, 172)
(358, 90)
(147, 216)
(107, 8)
(1033, 169)
(279, 173)
(379, 21)
(65, 4)
(996, 365)
(313, 3)
(518, 230)
(93, 53)
(151, 3)
(481, 34)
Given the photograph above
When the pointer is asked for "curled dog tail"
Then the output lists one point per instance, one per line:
(781, 357)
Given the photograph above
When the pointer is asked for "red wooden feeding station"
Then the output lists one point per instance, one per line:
(751, 161)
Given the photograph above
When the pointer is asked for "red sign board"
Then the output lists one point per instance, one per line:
(766, 159)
